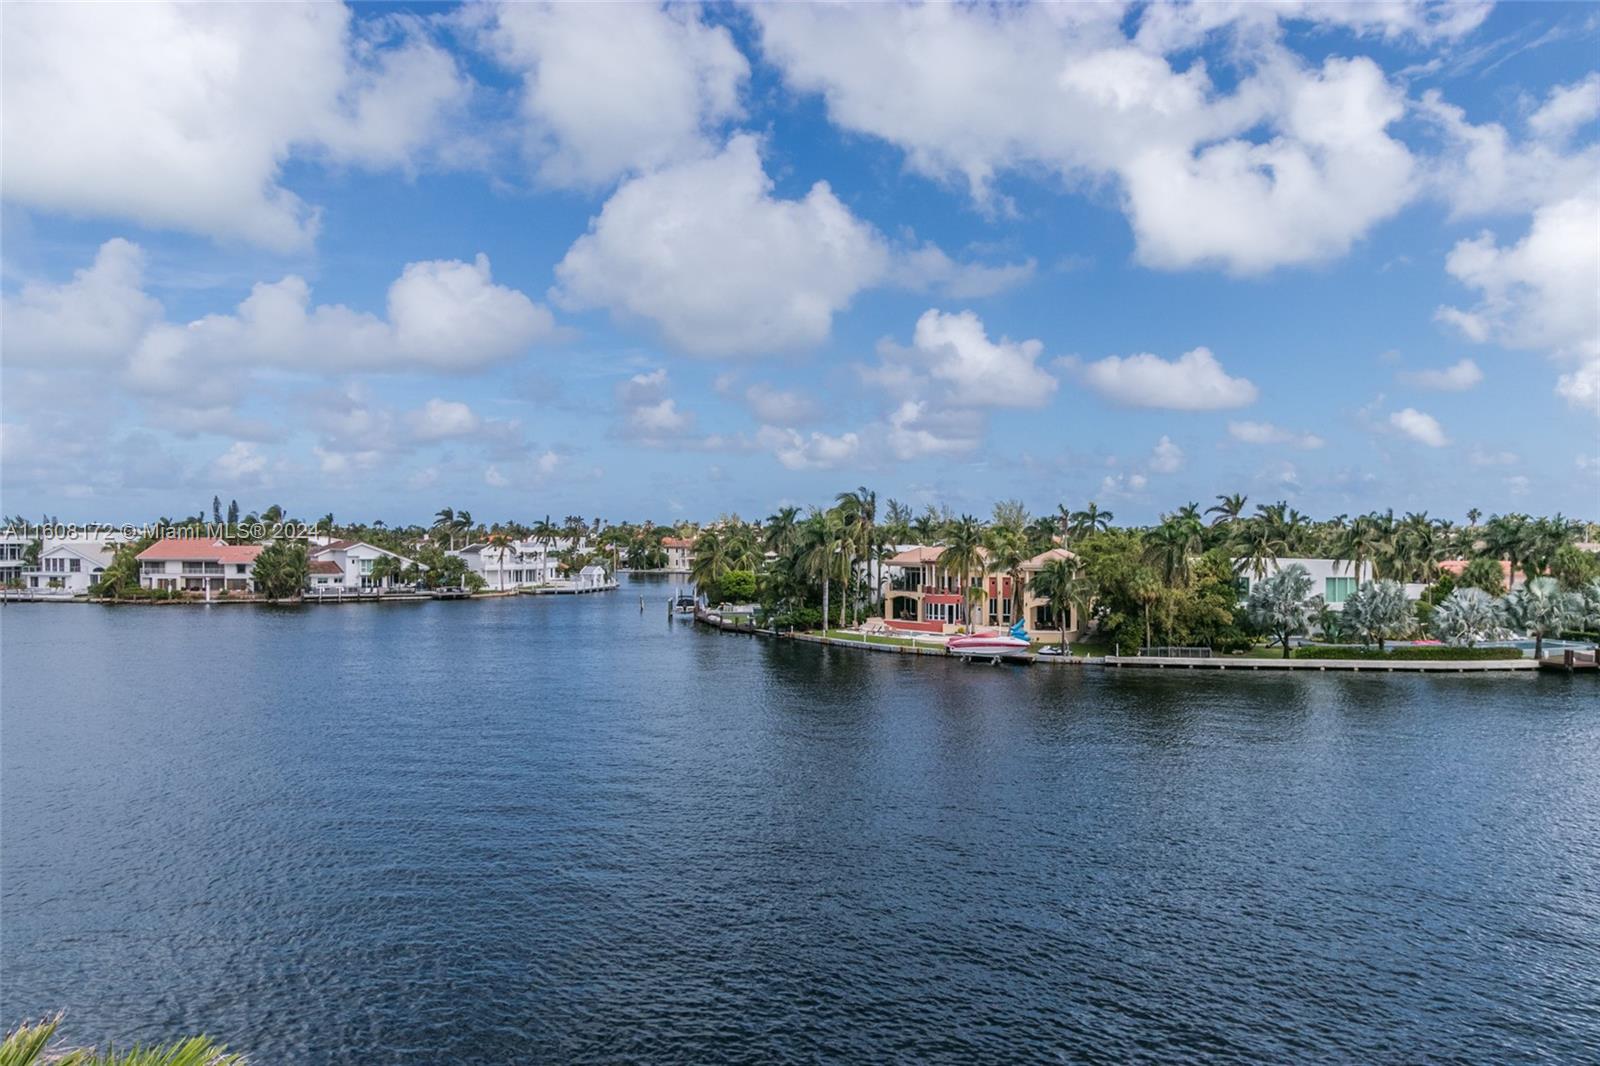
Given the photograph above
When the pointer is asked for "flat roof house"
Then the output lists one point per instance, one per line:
(198, 564)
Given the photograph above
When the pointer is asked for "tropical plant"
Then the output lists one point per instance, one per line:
(1283, 604)
(1378, 612)
(1059, 584)
(26, 1045)
(1467, 616)
(1541, 608)
(1091, 520)
(282, 569)
(819, 556)
(962, 554)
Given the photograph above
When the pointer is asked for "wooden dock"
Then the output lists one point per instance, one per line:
(1570, 661)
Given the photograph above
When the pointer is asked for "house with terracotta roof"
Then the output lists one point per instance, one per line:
(680, 554)
(348, 566)
(198, 564)
(921, 594)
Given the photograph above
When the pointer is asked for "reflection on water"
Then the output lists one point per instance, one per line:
(563, 828)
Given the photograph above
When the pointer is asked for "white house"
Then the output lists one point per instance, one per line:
(590, 578)
(198, 564)
(13, 546)
(680, 554)
(520, 564)
(347, 566)
(1332, 579)
(68, 566)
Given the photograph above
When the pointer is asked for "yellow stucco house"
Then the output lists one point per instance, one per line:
(921, 595)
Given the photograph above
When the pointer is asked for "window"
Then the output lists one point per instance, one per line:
(1338, 589)
(73, 564)
(1243, 585)
(238, 568)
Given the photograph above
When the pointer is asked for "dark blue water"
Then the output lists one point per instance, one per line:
(560, 830)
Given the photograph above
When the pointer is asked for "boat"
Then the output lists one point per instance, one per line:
(683, 603)
(991, 645)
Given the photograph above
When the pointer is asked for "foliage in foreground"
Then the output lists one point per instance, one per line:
(1438, 653)
(25, 1046)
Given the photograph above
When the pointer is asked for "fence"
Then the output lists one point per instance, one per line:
(1176, 653)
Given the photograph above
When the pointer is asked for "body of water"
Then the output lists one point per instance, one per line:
(560, 829)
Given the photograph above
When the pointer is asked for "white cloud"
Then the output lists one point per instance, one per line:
(1581, 387)
(1268, 433)
(494, 478)
(1291, 166)
(706, 252)
(616, 89)
(1420, 427)
(1483, 169)
(443, 315)
(1195, 381)
(1458, 377)
(815, 451)
(928, 267)
(182, 115)
(240, 464)
(1167, 458)
(1479, 457)
(97, 317)
(916, 430)
(779, 406)
(1114, 486)
(442, 419)
(648, 412)
(954, 351)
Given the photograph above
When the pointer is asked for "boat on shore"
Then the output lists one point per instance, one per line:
(992, 644)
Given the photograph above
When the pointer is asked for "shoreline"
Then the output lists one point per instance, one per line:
(702, 616)
(306, 601)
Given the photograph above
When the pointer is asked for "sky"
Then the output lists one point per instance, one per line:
(637, 262)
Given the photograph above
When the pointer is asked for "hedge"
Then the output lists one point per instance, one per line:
(1431, 652)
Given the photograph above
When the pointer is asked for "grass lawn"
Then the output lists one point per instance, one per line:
(840, 634)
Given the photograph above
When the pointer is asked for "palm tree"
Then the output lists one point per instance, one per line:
(1283, 604)
(781, 531)
(1467, 616)
(1091, 520)
(500, 543)
(446, 520)
(1228, 508)
(1172, 546)
(25, 1046)
(1058, 583)
(1145, 587)
(818, 553)
(1362, 544)
(1009, 550)
(710, 560)
(465, 524)
(1378, 611)
(963, 551)
(860, 511)
(1257, 547)
(1540, 608)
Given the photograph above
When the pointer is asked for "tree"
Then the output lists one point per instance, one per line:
(500, 545)
(1483, 573)
(819, 554)
(282, 569)
(1059, 584)
(233, 512)
(1283, 605)
(1540, 608)
(26, 1046)
(216, 509)
(1378, 611)
(1467, 616)
(1257, 546)
(1091, 520)
(1228, 508)
(1008, 548)
(387, 569)
(963, 552)
(737, 586)
(1574, 567)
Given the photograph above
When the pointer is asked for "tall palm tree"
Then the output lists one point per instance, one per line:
(818, 553)
(1257, 547)
(781, 530)
(463, 523)
(1008, 551)
(446, 520)
(1091, 520)
(1360, 545)
(1228, 508)
(1059, 583)
(964, 551)
(500, 544)
(859, 510)
(1172, 546)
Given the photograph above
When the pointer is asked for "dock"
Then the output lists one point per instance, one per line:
(1570, 661)
(1371, 666)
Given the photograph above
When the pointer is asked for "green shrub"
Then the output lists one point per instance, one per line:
(1433, 652)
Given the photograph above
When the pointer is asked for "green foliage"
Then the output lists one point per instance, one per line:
(736, 586)
(26, 1046)
(1378, 612)
(1574, 567)
(1431, 652)
(282, 569)
(1485, 574)
(1283, 604)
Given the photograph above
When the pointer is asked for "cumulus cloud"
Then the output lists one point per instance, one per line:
(779, 406)
(610, 90)
(442, 315)
(929, 267)
(1292, 165)
(813, 451)
(1268, 433)
(97, 317)
(1195, 381)
(194, 108)
(706, 252)
(1167, 458)
(442, 419)
(1420, 427)
(1458, 377)
(954, 351)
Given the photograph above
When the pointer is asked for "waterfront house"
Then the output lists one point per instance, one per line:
(68, 566)
(518, 564)
(680, 554)
(13, 546)
(198, 564)
(590, 578)
(920, 594)
(1037, 613)
(347, 566)
(1332, 579)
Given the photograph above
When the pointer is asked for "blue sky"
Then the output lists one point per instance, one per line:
(634, 262)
